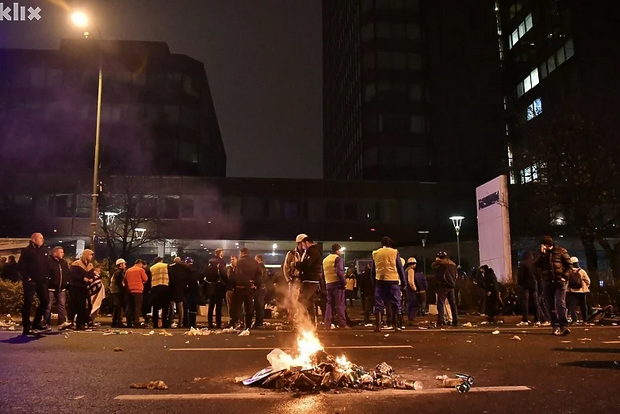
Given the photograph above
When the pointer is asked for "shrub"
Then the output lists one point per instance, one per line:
(11, 297)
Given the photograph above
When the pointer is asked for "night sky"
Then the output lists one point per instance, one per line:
(263, 61)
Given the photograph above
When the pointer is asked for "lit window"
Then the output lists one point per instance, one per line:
(507, 130)
(528, 23)
(534, 77)
(570, 49)
(551, 64)
(560, 56)
(527, 84)
(534, 109)
(521, 30)
(505, 102)
(514, 38)
(513, 179)
(510, 156)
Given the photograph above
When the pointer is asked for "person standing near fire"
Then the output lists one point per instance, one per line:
(389, 275)
(291, 274)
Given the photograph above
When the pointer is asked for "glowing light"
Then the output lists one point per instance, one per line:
(79, 18)
(343, 363)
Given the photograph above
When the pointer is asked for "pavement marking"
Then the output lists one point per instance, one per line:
(280, 396)
(285, 349)
(611, 342)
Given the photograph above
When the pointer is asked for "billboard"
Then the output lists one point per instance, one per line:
(494, 227)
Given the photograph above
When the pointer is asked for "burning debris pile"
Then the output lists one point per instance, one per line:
(314, 370)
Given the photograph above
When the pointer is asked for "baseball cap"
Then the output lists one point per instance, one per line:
(300, 237)
(120, 261)
(574, 260)
(412, 260)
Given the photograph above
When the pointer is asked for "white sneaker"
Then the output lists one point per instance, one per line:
(537, 324)
(64, 326)
(545, 324)
(523, 324)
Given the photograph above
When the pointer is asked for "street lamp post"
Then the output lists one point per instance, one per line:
(424, 236)
(80, 19)
(457, 221)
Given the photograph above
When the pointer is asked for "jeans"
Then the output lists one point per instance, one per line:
(119, 309)
(30, 289)
(412, 305)
(443, 294)
(161, 301)
(180, 311)
(79, 301)
(387, 292)
(216, 300)
(526, 295)
(133, 310)
(61, 297)
(574, 299)
(306, 298)
(544, 310)
(369, 302)
(555, 296)
(335, 301)
(422, 301)
(259, 306)
(242, 298)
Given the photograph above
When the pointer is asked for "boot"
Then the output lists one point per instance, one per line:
(378, 321)
(398, 323)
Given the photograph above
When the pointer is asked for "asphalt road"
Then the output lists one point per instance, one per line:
(81, 373)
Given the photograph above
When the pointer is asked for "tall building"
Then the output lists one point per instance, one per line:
(552, 49)
(412, 90)
(157, 115)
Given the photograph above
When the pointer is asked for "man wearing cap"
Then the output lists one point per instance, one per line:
(309, 274)
(333, 269)
(291, 274)
(160, 296)
(135, 277)
(578, 288)
(555, 267)
(82, 274)
(446, 281)
(387, 270)
(118, 290)
(416, 289)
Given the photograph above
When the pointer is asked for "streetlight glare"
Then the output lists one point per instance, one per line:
(343, 248)
(457, 218)
(275, 246)
(79, 19)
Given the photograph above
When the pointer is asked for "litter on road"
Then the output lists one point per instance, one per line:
(515, 338)
(151, 385)
(117, 349)
(495, 332)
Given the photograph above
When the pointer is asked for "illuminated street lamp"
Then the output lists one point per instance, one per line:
(457, 221)
(424, 236)
(139, 233)
(80, 19)
(273, 251)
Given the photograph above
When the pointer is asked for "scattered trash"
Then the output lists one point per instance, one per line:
(115, 332)
(369, 325)
(515, 338)
(8, 324)
(468, 341)
(261, 337)
(79, 397)
(198, 379)
(117, 349)
(404, 357)
(495, 332)
(500, 322)
(149, 334)
(467, 325)
(386, 335)
(245, 333)
(484, 323)
(238, 380)
(164, 332)
(187, 342)
(151, 385)
(462, 383)
(66, 336)
(197, 332)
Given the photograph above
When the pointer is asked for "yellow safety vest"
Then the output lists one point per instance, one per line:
(385, 264)
(329, 268)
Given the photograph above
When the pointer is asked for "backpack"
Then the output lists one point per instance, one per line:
(212, 274)
(574, 279)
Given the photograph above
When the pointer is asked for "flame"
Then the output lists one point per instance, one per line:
(307, 345)
(343, 363)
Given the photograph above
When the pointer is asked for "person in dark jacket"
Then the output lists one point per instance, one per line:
(58, 282)
(309, 267)
(82, 275)
(177, 274)
(492, 291)
(555, 266)
(192, 294)
(367, 291)
(528, 286)
(247, 274)
(421, 285)
(34, 268)
(261, 292)
(445, 278)
(118, 289)
(10, 271)
(217, 280)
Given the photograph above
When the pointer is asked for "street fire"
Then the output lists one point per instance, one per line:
(313, 370)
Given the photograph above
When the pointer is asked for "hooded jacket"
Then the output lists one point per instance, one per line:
(527, 276)
(555, 266)
(310, 265)
(79, 271)
(34, 263)
(585, 282)
(59, 275)
(446, 273)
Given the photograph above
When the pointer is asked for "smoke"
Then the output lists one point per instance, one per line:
(288, 300)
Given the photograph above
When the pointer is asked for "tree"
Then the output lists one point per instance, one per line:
(130, 218)
(572, 153)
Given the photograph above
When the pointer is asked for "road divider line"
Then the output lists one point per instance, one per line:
(611, 342)
(286, 349)
(280, 396)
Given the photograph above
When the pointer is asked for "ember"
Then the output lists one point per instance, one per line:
(315, 370)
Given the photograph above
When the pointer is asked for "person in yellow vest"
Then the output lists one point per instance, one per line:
(333, 271)
(388, 272)
(349, 290)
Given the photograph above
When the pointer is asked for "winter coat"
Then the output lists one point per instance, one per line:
(117, 283)
(421, 284)
(135, 278)
(365, 283)
(555, 266)
(177, 275)
(261, 283)
(526, 277)
(311, 265)
(490, 282)
(34, 264)
(81, 271)
(446, 273)
(59, 275)
(248, 273)
(289, 267)
(585, 282)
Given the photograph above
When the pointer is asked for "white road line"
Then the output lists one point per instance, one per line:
(280, 396)
(611, 342)
(271, 348)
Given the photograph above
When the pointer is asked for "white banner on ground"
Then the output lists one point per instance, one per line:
(494, 227)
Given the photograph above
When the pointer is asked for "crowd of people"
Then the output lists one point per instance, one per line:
(389, 287)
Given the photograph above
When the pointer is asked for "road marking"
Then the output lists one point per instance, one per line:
(611, 342)
(285, 349)
(280, 396)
